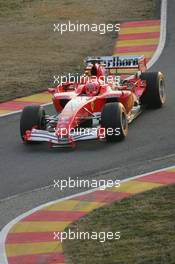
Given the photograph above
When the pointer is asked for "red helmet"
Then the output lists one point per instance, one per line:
(92, 88)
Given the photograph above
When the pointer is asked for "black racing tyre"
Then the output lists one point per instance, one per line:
(32, 116)
(114, 120)
(86, 123)
(154, 95)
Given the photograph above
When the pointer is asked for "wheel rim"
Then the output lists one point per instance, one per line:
(162, 91)
(124, 123)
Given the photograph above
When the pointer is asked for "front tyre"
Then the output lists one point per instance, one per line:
(114, 121)
(32, 116)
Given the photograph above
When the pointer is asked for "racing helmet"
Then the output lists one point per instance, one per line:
(92, 88)
(97, 70)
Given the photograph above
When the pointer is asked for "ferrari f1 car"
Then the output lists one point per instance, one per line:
(96, 106)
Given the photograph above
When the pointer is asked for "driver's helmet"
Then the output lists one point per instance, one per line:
(92, 88)
(97, 70)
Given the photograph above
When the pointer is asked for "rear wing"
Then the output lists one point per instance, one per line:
(118, 62)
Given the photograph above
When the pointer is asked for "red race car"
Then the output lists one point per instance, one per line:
(100, 105)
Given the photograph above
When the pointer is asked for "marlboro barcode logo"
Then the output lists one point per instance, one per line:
(122, 62)
(115, 61)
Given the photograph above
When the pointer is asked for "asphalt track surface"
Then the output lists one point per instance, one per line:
(150, 144)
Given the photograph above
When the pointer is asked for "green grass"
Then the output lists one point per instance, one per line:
(12, 8)
(147, 225)
(7, 7)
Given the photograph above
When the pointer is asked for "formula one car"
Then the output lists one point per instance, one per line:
(96, 106)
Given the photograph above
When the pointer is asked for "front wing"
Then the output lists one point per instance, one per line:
(52, 138)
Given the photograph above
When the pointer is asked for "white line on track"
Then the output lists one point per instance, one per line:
(162, 40)
(19, 111)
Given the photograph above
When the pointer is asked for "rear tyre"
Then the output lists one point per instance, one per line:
(32, 116)
(154, 95)
(114, 120)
